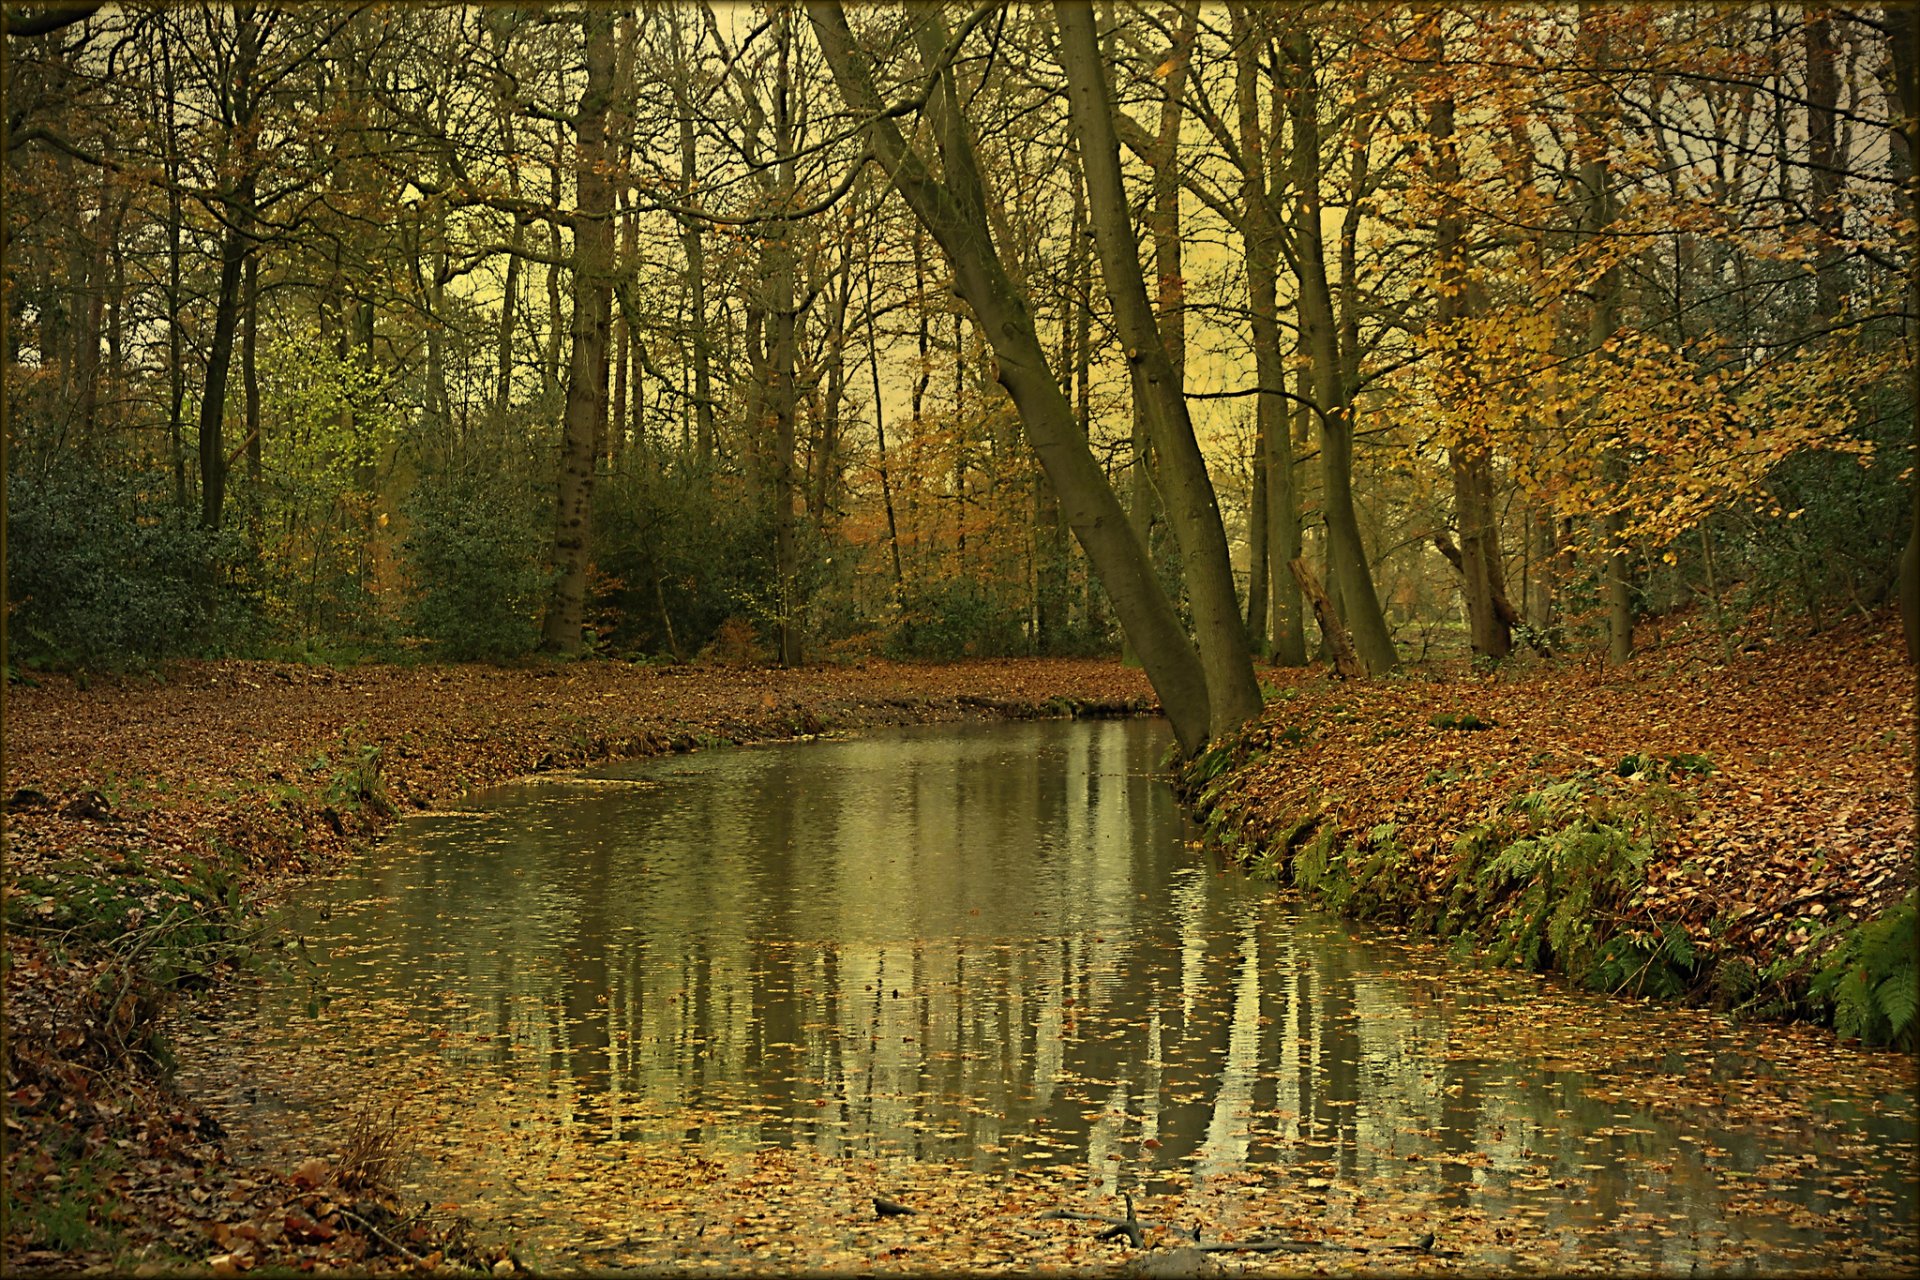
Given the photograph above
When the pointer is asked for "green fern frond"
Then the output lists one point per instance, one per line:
(1897, 998)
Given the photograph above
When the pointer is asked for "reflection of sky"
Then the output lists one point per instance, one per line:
(991, 946)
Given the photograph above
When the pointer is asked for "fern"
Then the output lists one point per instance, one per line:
(1897, 997)
(1869, 980)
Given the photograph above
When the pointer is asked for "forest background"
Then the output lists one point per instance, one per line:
(771, 333)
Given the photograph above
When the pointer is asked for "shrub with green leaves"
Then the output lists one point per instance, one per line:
(477, 558)
(959, 618)
(675, 561)
(105, 570)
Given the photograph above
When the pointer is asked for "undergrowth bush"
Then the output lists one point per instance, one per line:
(960, 618)
(676, 561)
(477, 561)
(107, 570)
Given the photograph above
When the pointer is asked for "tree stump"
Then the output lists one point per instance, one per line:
(1345, 661)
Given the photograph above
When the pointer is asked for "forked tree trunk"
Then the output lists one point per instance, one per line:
(953, 210)
(1275, 531)
(1351, 579)
(1187, 490)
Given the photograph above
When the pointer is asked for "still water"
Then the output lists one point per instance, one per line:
(998, 949)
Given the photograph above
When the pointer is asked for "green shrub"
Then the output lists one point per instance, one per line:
(675, 561)
(104, 571)
(960, 618)
(1465, 721)
(477, 559)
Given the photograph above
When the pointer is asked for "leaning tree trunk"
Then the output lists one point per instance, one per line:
(586, 366)
(1186, 489)
(953, 210)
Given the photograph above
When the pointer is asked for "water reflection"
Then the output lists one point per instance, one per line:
(992, 947)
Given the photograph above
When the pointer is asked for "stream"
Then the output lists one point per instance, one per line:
(997, 952)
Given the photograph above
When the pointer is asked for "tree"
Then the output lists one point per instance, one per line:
(1233, 693)
(586, 403)
(953, 211)
(1333, 397)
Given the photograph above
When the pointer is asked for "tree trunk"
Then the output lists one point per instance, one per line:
(1257, 592)
(1233, 692)
(880, 442)
(1604, 319)
(226, 321)
(1351, 578)
(1906, 57)
(1824, 165)
(510, 291)
(785, 353)
(1283, 530)
(1345, 661)
(176, 353)
(620, 349)
(1275, 531)
(1482, 580)
(550, 363)
(586, 367)
(693, 255)
(250, 390)
(954, 212)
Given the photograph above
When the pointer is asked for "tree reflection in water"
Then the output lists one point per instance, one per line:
(994, 947)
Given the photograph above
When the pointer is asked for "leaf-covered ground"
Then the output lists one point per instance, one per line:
(145, 816)
(1777, 779)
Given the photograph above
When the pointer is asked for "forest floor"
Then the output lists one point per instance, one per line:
(1709, 820)
(147, 819)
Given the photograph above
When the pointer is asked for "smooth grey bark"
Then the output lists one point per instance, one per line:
(1185, 487)
(1350, 579)
(586, 401)
(953, 211)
